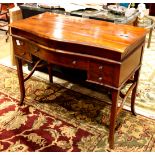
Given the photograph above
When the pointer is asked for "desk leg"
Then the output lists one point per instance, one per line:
(115, 95)
(50, 73)
(133, 95)
(21, 79)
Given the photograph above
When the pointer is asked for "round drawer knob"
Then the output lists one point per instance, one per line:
(74, 62)
(100, 78)
(19, 43)
(100, 67)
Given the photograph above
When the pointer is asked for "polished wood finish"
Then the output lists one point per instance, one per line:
(110, 53)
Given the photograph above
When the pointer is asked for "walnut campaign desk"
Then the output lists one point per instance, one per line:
(110, 53)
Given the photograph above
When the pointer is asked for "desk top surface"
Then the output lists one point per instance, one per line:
(83, 31)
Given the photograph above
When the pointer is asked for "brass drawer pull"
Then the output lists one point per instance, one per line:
(100, 67)
(100, 78)
(74, 62)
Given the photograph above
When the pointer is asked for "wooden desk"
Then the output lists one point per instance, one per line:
(110, 53)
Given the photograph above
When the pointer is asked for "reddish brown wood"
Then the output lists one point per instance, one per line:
(115, 94)
(21, 79)
(110, 53)
(133, 96)
(50, 73)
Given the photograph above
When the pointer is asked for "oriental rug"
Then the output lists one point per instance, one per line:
(54, 118)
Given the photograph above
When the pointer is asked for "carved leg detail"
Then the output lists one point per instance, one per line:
(113, 115)
(21, 80)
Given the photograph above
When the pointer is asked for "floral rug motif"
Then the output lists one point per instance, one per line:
(54, 118)
(24, 128)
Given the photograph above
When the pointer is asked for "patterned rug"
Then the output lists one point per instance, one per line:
(54, 118)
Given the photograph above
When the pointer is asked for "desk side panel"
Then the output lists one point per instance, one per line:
(130, 64)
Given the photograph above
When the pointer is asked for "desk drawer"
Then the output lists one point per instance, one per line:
(70, 61)
(21, 49)
(62, 59)
(101, 73)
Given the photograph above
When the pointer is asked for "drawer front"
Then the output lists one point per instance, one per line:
(70, 61)
(102, 73)
(65, 60)
(21, 49)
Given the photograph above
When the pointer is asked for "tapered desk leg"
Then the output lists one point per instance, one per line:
(115, 94)
(50, 73)
(21, 79)
(133, 95)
